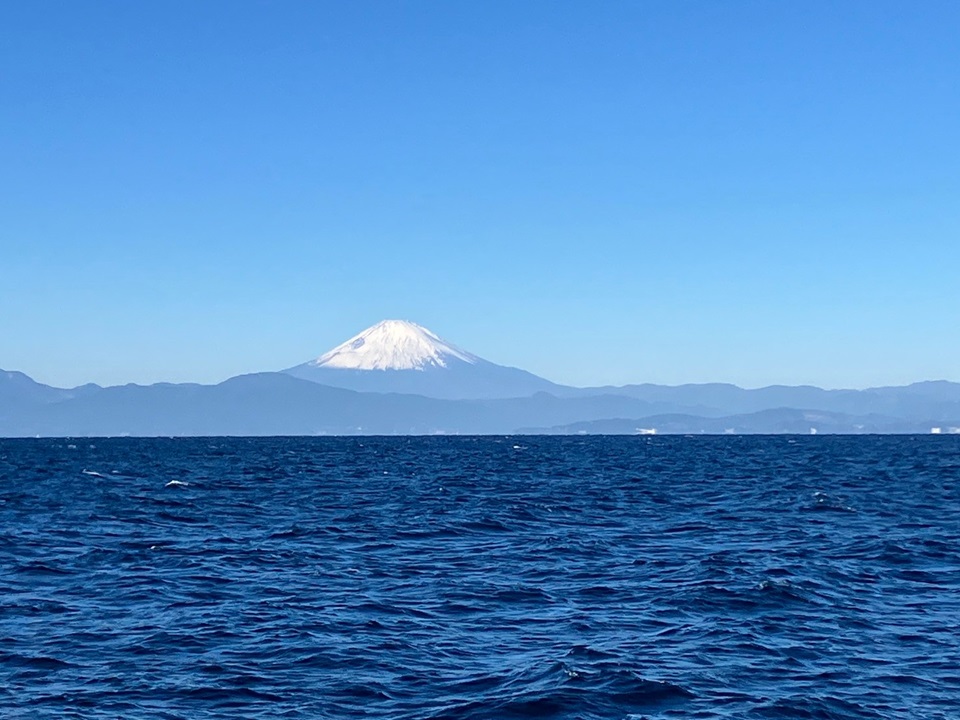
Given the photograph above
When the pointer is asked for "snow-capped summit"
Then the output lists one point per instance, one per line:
(398, 356)
(393, 345)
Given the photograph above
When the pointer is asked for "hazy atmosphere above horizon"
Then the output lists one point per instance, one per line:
(625, 192)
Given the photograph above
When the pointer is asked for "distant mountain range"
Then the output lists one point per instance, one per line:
(399, 378)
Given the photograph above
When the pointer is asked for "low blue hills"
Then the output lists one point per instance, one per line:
(400, 378)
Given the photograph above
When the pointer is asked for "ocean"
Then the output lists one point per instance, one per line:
(481, 577)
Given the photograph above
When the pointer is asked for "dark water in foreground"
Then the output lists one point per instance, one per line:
(670, 577)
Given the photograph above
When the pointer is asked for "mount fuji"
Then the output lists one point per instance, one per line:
(400, 378)
(398, 356)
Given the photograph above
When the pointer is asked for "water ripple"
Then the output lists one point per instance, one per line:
(480, 578)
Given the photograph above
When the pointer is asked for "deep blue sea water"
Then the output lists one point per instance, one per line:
(526, 577)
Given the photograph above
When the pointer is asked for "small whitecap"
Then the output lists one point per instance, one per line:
(176, 483)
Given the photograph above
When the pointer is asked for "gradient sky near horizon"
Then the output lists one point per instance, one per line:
(662, 191)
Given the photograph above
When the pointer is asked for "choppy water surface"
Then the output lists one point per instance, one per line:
(480, 578)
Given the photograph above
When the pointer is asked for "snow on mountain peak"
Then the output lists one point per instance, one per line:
(393, 345)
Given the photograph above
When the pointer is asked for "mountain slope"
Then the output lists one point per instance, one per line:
(394, 345)
(19, 392)
(278, 404)
(771, 421)
(403, 357)
(935, 400)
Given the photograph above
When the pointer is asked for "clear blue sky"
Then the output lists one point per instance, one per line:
(662, 191)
